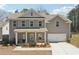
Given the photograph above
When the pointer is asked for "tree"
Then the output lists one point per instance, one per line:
(24, 10)
(73, 15)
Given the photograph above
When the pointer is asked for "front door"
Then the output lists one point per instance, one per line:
(21, 38)
(31, 37)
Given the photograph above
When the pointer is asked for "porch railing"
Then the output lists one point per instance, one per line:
(29, 27)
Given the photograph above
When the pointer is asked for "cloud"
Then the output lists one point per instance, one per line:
(12, 11)
(62, 11)
(2, 6)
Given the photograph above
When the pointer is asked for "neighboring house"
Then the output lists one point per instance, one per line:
(1, 25)
(22, 27)
(5, 30)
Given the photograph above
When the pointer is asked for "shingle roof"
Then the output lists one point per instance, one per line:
(51, 17)
(29, 14)
(36, 14)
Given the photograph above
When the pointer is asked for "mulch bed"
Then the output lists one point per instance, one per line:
(8, 50)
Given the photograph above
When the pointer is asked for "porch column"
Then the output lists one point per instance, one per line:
(26, 37)
(45, 37)
(35, 37)
(16, 38)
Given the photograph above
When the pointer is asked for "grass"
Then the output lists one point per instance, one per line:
(75, 40)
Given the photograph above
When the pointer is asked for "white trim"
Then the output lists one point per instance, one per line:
(16, 38)
(45, 36)
(26, 37)
(31, 30)
(35, 37)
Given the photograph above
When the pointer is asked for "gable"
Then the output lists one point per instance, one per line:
(57, 18)
(28, 14)
(31, 14)
(62, 18)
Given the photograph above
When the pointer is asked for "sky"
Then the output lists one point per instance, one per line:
(62, 9)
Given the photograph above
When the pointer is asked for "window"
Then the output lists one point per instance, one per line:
(40, 36)
(14, 23)
(24, 37)
(40, 23)
(57, 24)
(23, 23)
(31, 23)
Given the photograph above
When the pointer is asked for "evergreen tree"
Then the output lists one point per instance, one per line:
(73, 15)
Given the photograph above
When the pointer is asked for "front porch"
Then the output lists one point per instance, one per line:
(24, 36)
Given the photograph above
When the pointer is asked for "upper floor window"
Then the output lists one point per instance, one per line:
(31, 23)
(23, 23)
(57, 24)
(14, 23)
(40, 23)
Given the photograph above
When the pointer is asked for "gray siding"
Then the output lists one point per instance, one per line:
(19, 26)
(63, 26)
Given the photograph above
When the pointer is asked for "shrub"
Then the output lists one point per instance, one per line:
(32, 43)
(5, 42)
(12, 42)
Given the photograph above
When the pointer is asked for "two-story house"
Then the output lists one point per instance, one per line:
(22, 27)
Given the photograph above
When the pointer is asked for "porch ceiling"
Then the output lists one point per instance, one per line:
(31, 30)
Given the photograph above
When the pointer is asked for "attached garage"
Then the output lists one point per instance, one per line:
(57, 37)
(58, 29)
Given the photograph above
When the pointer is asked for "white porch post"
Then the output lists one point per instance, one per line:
(35, 37)
(26, 37)
(16, 38)
(45, 37)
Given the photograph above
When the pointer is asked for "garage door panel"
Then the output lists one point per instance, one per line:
(56, 37)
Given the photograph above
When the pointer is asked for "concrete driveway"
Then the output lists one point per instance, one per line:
(63, 48)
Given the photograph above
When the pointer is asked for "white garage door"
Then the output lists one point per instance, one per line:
(56, 37)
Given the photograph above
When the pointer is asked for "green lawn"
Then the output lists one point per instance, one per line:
(75, 40)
